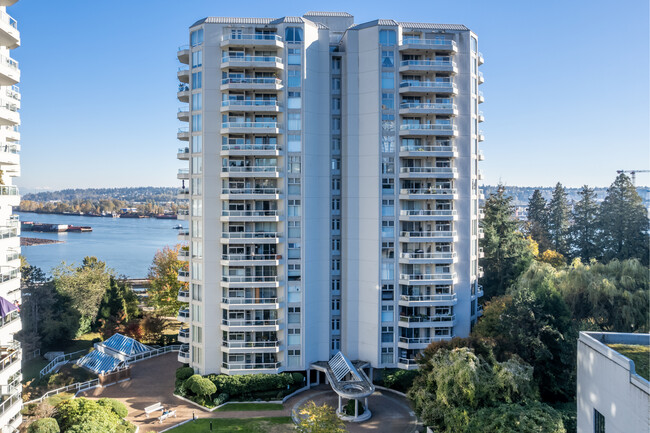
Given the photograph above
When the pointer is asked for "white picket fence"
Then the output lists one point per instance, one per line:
(79, 386)
(61, 360)
(153, 353)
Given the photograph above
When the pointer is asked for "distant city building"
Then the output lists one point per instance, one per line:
(333, 190)
(611, 396)
(521, 213)
(10, 297)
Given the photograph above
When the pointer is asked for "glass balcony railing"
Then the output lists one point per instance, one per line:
(183, 129)
(244, 366)
(429, 298)
(428, 170)
(248, 301)
(8, 19)
(250, 80)
(416, 148)
(250, 344)
(251, 102)
(251, 213)
(266, 59)
(427, 212)
(414, 255)
(249, 125)
(183, 171)
(251, 235)
(251, 37)
(425, 340)
(249, 146)
(251, 191)
(250, 257)
(429, 63)
(418, 277)
(433, 191)
(436, 43)
(428, 234)
(184, 313)
(258, 169)
(251, 322)
(8, 62)
(250, 279)
(184, 332)
(427, 127)
(425, 319)
(427, 106)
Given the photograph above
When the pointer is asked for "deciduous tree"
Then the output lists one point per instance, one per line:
(163, 281)
(319, 419)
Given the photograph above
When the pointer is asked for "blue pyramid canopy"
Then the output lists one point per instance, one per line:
(109, 354)
(99, 362)
(125, 345)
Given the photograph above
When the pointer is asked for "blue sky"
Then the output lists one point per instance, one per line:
(566, 89)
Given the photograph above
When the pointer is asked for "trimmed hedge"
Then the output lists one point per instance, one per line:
(44, 425)
(247, 385)
(184, 373)
(400, 380)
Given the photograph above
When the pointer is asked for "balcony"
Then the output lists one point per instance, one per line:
(183, 54)
(481, 273)
(10, 357)
(10, 195)
(428, 194)
(12, 133)
(250, 237)
(184, 315)
(183, 194)
(254, 171)
(443, 130)
(10, 411)
(183, 295)
(184, 276)
(184, 354)
(407, 364)
(183, 173)
(424, 258)
(9, 113)
(481, 253)
(428, 236)
(184, 254)
(428, 172)
(428, 44)
(427, 321)
(243, 281)
(259, 325)
(428, 65)
(264, 40)
(9, 72)
(481, 155)
(481, 98)
(250, 303)
(439, 151)
(428, 300)
(183, 74)
(183, 235)
(427, 215)
(262, 62)
(422, 279)
(184, 215)
(183, 154)
(242, 149)
(257, 105)
(251, 346)
(9, 154)
(481, 78)
(481, 60)
(250, 259)
(412, 86)
(479, 291)
(481, 136)
(481, 117)
(428, 108)
(183, 133)
(183, 94)
(250, 193)
(250, 128)
(184, 335)
(183, 114)
(232, 368)
(11, 323)
(251, 83)
(420, 343)
(250, 215)
(9, 34)
(481, 233)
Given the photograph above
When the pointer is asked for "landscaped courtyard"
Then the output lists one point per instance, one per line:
(238, 425)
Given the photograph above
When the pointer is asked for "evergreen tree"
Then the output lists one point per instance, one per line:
(623, 223)
(584, 230)
(538, 220)
(507, 252)
(558, 220)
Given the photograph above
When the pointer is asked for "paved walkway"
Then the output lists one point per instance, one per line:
(152, 381)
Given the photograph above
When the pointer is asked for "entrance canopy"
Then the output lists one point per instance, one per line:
(346, 377)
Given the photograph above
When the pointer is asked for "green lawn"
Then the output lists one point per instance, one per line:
(231, 407)
(637, 353)
(32, 368)
(235, 425)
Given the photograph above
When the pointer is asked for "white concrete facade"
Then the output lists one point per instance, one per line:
(332, 189)
(608, 386)
(10, 351)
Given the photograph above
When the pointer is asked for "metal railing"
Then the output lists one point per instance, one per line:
(427, 319)
(183, 129)
(407, 361)
(183, 47)
(428, 106)
(248, 301)
(438, 43)
(183, 171)
(427, 126)
(428, 298)
(8, 190)
(233, 146)
(60, 360)
(250, 279)
(449, 255)
(251, 102)
(432, 63)
(249, 125)
(252, 36)
(425, 340)
(251, 322)
(250, 344)
(251, 235)
(243, 366)
(441, 170)
(432, 84)
(426, 212)
(415, 148)
(270, 59)
(421, 277)
(14, 398)
(255, 169)
(250, 213)
(237, 191)
(12, 273)
(432, 191)
(11, 355)
(184, 313)
(250, 257)
(9, 148)
(251, 80)
(428, 234)
(184, 332)
(153, 353)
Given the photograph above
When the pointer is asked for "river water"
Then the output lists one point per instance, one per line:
(126, 244)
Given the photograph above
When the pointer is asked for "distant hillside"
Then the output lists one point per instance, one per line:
(132, 195)
(521, 194)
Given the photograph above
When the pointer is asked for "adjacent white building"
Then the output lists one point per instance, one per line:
(332, 188)
(611, 396)
(10, 298)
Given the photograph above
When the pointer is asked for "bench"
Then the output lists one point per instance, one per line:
(166, 415)
(152, 408)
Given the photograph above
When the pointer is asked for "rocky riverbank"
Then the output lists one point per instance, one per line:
(28, 242)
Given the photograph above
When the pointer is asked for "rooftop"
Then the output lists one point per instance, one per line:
(638, 353)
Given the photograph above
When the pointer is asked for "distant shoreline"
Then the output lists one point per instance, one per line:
(28, 242)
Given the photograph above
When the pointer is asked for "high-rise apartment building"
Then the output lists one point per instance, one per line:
(10, 298)
(333, 190)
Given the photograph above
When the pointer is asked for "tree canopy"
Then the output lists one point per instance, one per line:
(163, 281)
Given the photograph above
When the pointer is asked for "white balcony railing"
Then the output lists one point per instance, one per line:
(427, 319)
(427, 127)
(427, 106)
(244, 366)
(436, 43)
(426, 212)
(252, 36)
(251, 191)
(248, 301)
(419, 277)
(269, 59)
(250, 344)
(430, 256)
(428, 234)
(250, 279)
(251, 235)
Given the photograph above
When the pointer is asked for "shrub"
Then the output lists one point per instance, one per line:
(44, 425)
(221, 399)
(349, 408)
(400, 380)
(118, 407)
(203, 387)
(297, 377)
(191, 381)
(247, 385)
(184, 373)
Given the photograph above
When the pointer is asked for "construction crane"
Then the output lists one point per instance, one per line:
(632, 174)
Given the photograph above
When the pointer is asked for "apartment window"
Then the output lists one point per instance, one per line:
(336, 164)
(294, 164)
(294, 315)
(473, 44)
(294, 270)
(294, 336)
(196, 291)
(197, 165)
(336, 204)
(196, 37)
(197, 249)
(388, 208)
(336, 104)
(388, 143)
(196, 313)
(197, 270)
(599, 422)
(336, 305)
(294, 143)
(388, 101)
(197, 334)
(336, 245)
(294, 208)
(197, 122)
(294, 297)
(387, 250)
(336, 144)
(197, 144)
(294, 229)
(294, 122)
(294, 78)
(336, 265)
(387, 80)
(387, 313)
(387, 292)
(336, 285)
(387, 355)
(387, 38)
(197, 79)
(197, 101)
(388, 59)
(197, 59)
(336, 65)
(336, 324)
(294, 185)
(197, 207)
(387, 164)
(294, 357)
(294, 100)
(387, 334)
(197, 229)
(294, 250)
(387, 186)
(294, 56)
(336, 224)
(197, 186)
(387, 271)
(293, 34)
(336, 83)
(336, 124)
(388, 229)
(196, 354)
(336, 344)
